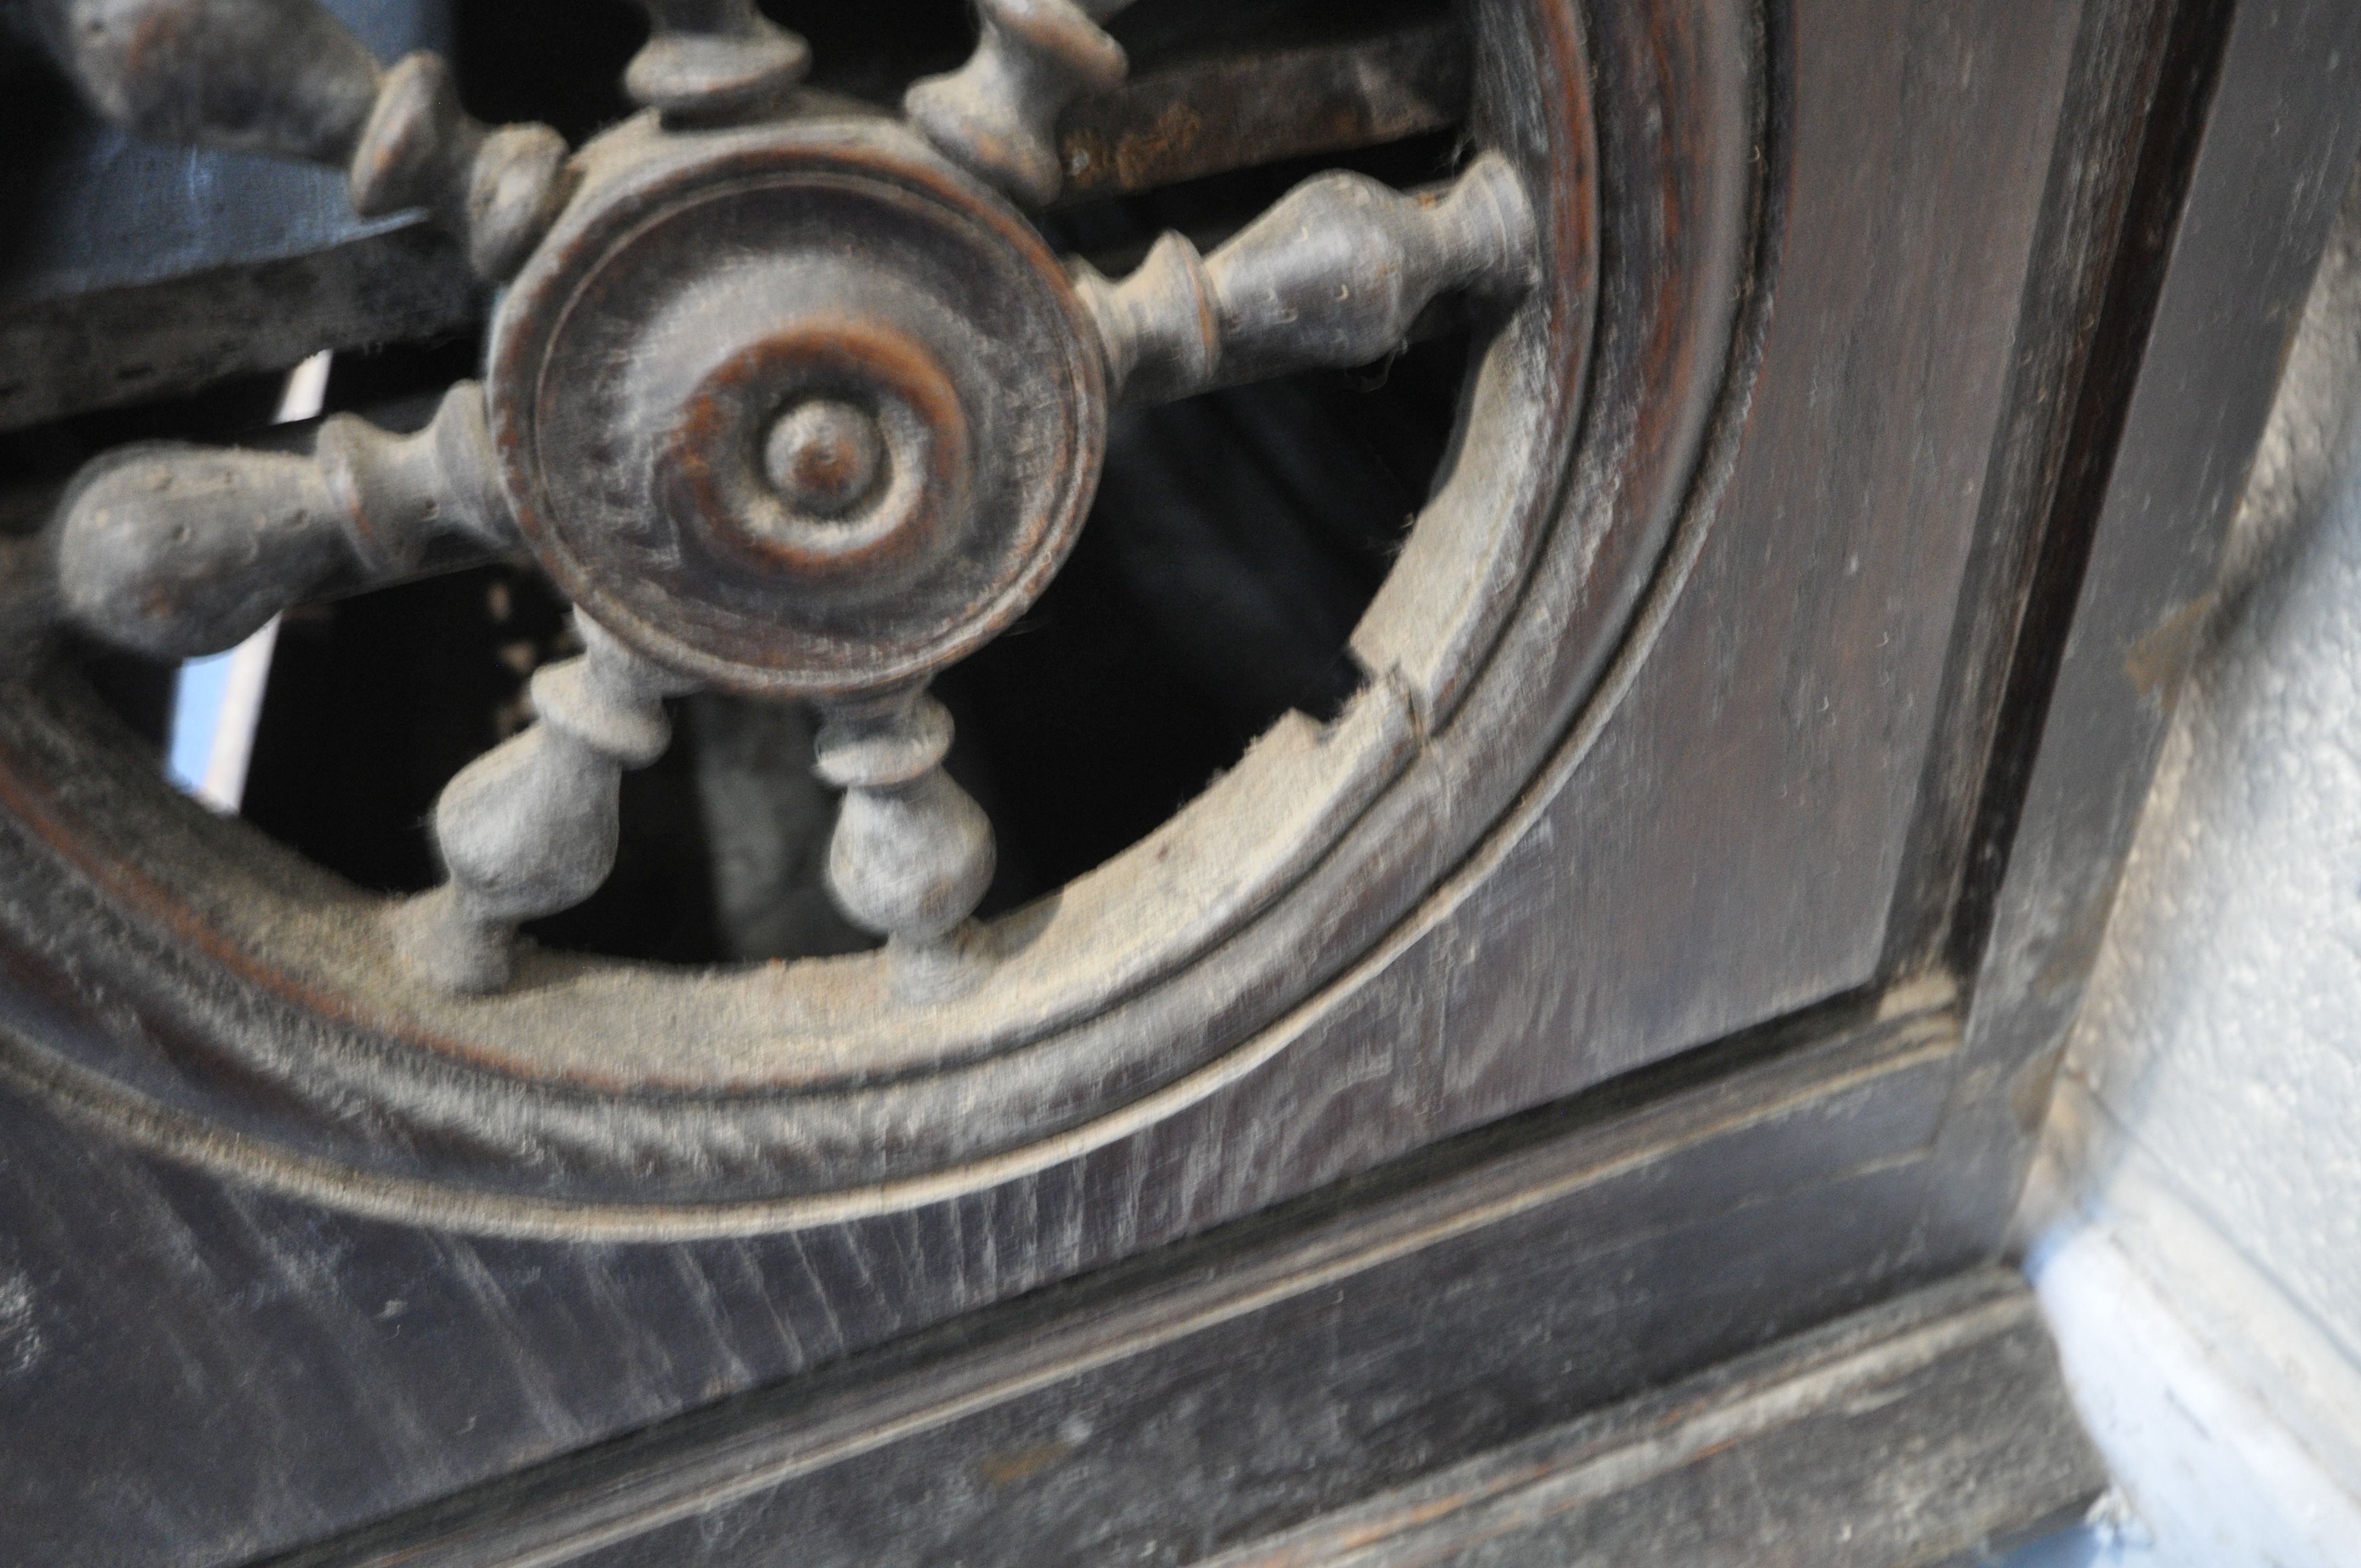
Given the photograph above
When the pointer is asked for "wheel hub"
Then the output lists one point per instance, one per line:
(824, 456)
(798, 410)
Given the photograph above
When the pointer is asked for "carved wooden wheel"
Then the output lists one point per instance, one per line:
(792, 399)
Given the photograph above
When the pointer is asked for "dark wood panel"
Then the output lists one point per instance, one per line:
(1259, 105)
(1726, 850)
(1722, 851)
(1240, 1382)
(2088, 294)
(1933, 1429)
(296, 1371)
(1750, 832)
(113, 346)
(2260, 197)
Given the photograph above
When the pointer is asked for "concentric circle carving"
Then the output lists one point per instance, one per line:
(700, 288)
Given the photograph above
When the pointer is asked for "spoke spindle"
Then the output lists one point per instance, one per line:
(998, 113)
(708, 61)
(176, 551)
(1334, 274)
(530, 826)
(912, 854)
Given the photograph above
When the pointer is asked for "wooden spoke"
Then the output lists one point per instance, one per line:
(912, 853)
(707, 60)
(997, 114)
(175, 550)
(285, 78)
(1335, 274)
(748, 442)
(530, 827)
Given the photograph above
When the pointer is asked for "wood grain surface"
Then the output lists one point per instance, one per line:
(1934, 1430)
(2234, 260)
(1233, 1386)
(1685, 969)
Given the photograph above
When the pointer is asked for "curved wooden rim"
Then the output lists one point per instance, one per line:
(1459, 737)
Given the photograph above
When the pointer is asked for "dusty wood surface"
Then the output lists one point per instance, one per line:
(154, 339)
(2126, 604)
(1933, 1429)
(1718, 845)
(1206, 116)
(1236, 1385)
(2088, 298)
(839, 1083)
(1725, 844)
(223, 1374)
(123, 281)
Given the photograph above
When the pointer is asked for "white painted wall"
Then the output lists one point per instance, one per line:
(2194, 1229)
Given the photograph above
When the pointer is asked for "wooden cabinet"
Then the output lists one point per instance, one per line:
(1661, 952)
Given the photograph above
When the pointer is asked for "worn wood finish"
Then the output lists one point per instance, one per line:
(181, 551)
(289, 79)
(1724, 843)
(2102, 678)
(302, 275)
(1182, 324)
(155, 339)
(2087, 301)
(300, 1372)
(1200, 1398)
(709, 59)
(1767, 723)
(1933, 1429)
(1735, 828)
(997, 114)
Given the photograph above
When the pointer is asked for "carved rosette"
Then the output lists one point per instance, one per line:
(705, 296)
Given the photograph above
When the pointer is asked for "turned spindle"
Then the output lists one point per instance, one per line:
(912, 852)
(1334, 274)
(530, 827)
(176, 551)
(712, 60)
(998, 113)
